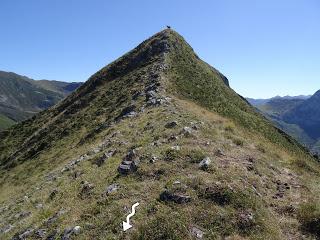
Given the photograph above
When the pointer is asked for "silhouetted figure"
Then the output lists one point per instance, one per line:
(168, 27)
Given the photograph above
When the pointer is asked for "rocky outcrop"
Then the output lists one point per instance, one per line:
(129, 163)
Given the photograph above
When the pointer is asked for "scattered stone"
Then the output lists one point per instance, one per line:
(40, 233)
(196, 232)
(127, 112)
(136, 95)
(187, 131)
(94, 151)
(174, 197)
(76, 174)
(39, 206)
(53, 194)
(250, 167)
(204, 164)
(24, 235)
(127, 167)
(54, 218)
(281, 189)
(153, 159)
(129, 163)
(101, 160)
(6, 229)
(65, 169)
(22, 215)
(75, 162)
(76, 230)
(171, 124)
(219, 153)
(52, 235)
(245, 220)
(67, 233)
(70, 231)
(195, 126)
(112, 188)
(86, 189)
(177, 148)
(172, 138)
(156, 143)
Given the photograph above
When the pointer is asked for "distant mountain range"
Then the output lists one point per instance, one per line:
(21, 97)
(299, 116)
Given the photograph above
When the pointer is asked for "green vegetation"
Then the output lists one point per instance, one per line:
(5, 122)
(22, 97)
(193, 79)
(50, 179)
(297, 117)
(309, 216)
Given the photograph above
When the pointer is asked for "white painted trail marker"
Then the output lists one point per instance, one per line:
(126, 225)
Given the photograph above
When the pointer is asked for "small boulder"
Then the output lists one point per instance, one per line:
(129, 163)
(127, 167)
(76, 230)
(6, 228)
(172, 138)
(86, 189)
(174, 197)
(127, 112)
(23, 235)
(70, 231)
(22, 214)
(153, 159)
(196, 232)
(55, 217)
(245, 220)
(40, 233)
(219, 153)
(176, 148)
(112, 188)
(187, 131)
(39, 206)
(204, 164)
(101, 160)
(53, 194)
(171, 124)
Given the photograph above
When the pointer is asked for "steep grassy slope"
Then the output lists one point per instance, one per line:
(5, 122)
(162, 109)
(196, 80)
(22, 97)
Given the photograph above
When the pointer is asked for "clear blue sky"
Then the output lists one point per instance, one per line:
(264, 47)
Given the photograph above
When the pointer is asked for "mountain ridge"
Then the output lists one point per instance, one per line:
(160, 127)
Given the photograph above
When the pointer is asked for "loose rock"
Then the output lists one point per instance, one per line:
(86, 189)
(101, 160)
(171, 124)
(53, 194)
(204, 164)
(187, 131)
(174, 197)
(112, 188)
(129, 163)
(196, 232)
